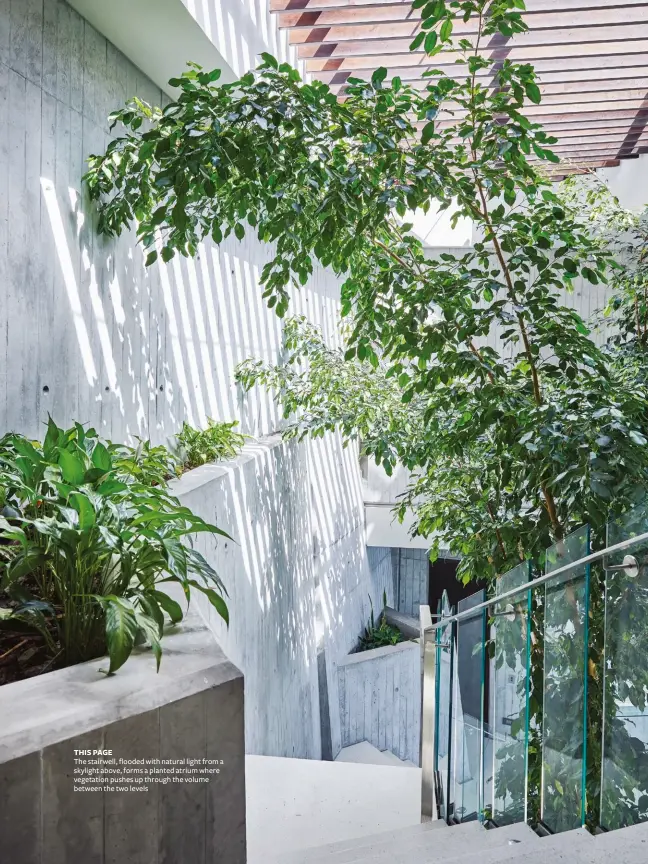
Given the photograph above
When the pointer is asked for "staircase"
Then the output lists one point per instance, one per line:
(307, 812)
(435, 843)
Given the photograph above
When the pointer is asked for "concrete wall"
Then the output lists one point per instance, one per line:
(629, 182)
(299, 582)
(412, 578)
(192, 709)
(88, 333)
(380, 699)
(345, 584)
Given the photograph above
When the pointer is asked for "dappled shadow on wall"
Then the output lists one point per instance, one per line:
(241, 30)
(345, 582)
(261, 499)
(135, 350)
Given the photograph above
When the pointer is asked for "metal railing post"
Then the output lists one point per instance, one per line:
(428, 716)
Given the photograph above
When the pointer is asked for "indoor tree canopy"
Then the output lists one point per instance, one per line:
(522, 439)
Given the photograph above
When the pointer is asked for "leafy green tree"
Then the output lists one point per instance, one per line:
(511, 444)
(532, 436)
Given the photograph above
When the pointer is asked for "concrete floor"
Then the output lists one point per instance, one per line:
(300, 803)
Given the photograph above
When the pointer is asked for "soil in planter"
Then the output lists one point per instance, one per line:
(23, 655)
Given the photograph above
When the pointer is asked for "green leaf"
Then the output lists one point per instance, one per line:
(170, 606)
(121, 629)
(51, 438)
(269, 60)
(533, 92)
(418, 41)
(446, 30)
(214, 598)
(84, 508)
(101, 457)
(149, 630)
(428, 132)
(112, 487)
(151, 258)
(430, 41)
(379, 76)
(72, 468)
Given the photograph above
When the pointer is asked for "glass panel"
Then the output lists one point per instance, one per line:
(566, 603)
(445, 654)
(624, 782)
(467, 707)
(508, 740)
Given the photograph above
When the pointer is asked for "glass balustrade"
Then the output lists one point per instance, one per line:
(564, 683)
(443, 741)
(506, 739)
(624, 768)
(467, 714)
(546, 720)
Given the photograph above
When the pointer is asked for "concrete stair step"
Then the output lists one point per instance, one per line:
(625, 846)
(365, 753)
(334, 852)
(421, 846)
(525, 849)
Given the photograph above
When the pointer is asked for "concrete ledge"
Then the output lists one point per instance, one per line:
(375, 653)
(204, 475)
(192, 709)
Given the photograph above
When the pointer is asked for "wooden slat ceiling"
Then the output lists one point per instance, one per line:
(591, 57)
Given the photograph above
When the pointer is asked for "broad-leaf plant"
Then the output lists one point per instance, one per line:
(91, 537)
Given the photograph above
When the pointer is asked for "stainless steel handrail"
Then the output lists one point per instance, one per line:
(547, 577)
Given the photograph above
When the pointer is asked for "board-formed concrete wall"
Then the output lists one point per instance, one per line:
(299, 583)
(380, 699)
(88, 333)
(412, 578)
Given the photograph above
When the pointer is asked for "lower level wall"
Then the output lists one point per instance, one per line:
(262, 500)
(412, 577)
(380, 699)
(346, 582)
(299, 580)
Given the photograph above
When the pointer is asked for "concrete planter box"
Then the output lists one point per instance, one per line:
(192, 708)
(380, 699)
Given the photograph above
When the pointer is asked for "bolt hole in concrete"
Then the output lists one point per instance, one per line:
(46, 389)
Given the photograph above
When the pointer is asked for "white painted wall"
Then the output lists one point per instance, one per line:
(87, 333)
(160, 36)
(629, 182)
(242, 30)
